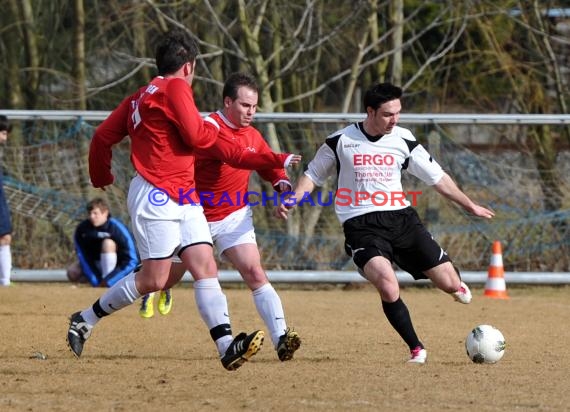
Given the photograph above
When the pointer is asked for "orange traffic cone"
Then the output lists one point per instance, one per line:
(495, 287)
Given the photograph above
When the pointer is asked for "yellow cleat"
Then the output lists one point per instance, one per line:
(165, 302)
(147, 306)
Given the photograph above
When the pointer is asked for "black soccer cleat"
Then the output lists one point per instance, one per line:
(241, 349)
(79, 331)
(288, 344)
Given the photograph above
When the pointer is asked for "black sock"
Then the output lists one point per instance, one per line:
(221, 330)
(399, 317)
(99, 312)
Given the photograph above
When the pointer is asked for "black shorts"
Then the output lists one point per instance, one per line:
(397, 235)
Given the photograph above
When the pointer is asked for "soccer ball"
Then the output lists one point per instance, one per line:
(485, 344)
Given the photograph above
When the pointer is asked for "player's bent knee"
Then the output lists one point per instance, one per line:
(445, 276)
(74, 273)
(108, 246)
(149, 285)
(362, 256)
(255, 283)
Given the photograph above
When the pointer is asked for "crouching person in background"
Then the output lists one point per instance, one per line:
(105, 248)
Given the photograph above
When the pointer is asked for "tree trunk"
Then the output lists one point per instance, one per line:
(12, 40)
(32, 54)
(397, 22)
(545, 156)
(139, 38)
(80, 94)
(79, 56)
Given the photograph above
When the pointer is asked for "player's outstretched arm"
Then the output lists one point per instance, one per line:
(242, 158)
(304, 185)
(293, 159)
(447, 187)
(109, 133)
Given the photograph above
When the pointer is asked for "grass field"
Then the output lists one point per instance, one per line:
(351, 359)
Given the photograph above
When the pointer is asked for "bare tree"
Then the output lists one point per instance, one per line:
(397, 21)
(32, 52)
(520, 66)
(11, 48)
(79, 77)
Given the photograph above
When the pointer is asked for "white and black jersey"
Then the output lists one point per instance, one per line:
(369, 169)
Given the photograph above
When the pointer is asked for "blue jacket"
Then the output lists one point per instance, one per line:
(88, 241)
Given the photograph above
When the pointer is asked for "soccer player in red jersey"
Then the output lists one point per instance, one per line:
(165, 128)
(222, 185)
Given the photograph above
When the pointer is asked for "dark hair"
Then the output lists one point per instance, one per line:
(97, 203)
(379, 94)
(237, 80)
(175, 49)
(5, 124)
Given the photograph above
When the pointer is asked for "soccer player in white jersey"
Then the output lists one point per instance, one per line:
(379, 224)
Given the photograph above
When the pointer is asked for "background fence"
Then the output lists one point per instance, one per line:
(46, 180)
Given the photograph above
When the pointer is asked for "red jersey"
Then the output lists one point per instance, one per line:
(221, 177)
(165, 126)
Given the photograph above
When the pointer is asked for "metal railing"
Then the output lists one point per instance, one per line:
(405, 118)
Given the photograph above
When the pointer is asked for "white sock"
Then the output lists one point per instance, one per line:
(121, 294)
(108, 263)
(270, 309)
(213, 307)
(5, 265)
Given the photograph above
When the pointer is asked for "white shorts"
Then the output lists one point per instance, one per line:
(235, 229)
(160, 225)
